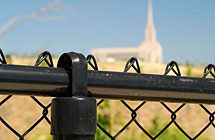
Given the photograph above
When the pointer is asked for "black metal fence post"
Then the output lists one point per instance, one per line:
(74, 118)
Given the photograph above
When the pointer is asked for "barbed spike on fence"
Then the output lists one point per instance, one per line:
(208, 69)
(170, 67)
(131, 63)
(92, 64)
(43, 57)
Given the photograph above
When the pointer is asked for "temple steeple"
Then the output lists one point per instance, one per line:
(149, 50)
(150, 32)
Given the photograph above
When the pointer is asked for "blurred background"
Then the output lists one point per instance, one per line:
(185, 29)
(175, 30)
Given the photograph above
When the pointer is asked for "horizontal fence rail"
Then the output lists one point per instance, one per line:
(44, 81)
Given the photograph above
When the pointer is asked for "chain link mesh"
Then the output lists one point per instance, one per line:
(172, 66)
(43, 57)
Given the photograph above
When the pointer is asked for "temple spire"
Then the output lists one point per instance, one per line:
(150, 12)
(150, 32)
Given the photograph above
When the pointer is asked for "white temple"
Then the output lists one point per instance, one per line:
(149, 50)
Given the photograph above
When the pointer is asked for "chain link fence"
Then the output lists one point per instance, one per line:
(43, 57)
(104, 120)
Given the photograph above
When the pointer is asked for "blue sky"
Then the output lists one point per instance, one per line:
(185, 28)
